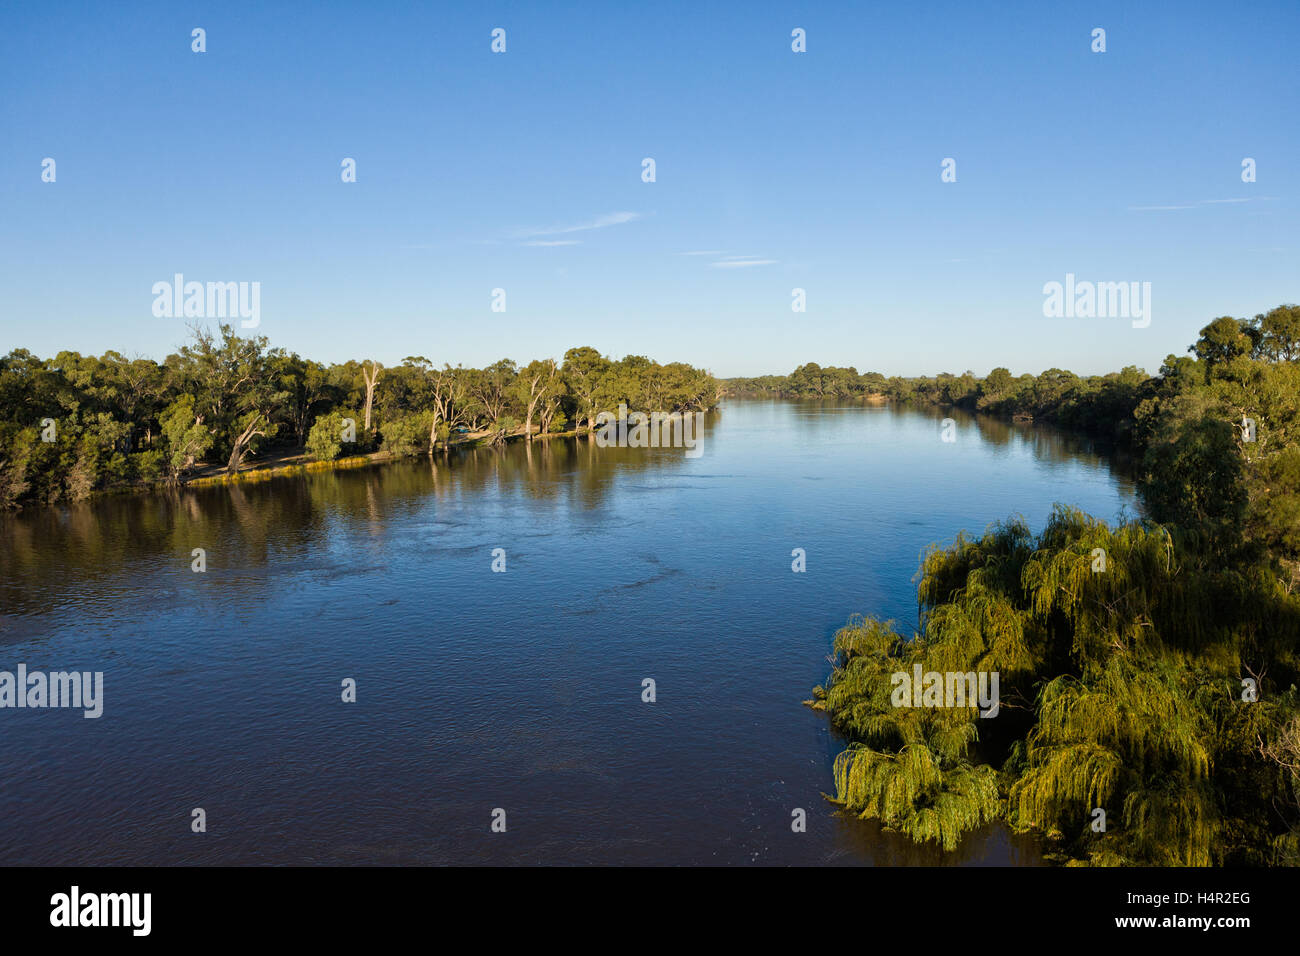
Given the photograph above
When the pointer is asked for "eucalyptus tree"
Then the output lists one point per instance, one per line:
(1280, 333)
(1221, 341)
(308, 391)
(448, 393)
(492, 388)
(141, 390)
(371, 376)
(533, 387)
(236, 389)
(551, 413)
(584, 369)
(187, 438)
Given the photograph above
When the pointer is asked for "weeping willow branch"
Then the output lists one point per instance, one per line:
(1121, 653)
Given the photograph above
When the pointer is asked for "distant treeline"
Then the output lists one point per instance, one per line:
(1149, 671)
(71, 425)
(1109, 406)
(1095, 404)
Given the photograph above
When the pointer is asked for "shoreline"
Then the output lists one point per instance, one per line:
(292, 462)
(290, 466)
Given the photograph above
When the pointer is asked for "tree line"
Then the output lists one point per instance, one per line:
(72, 425)
(1104, 405)
(1149, 670)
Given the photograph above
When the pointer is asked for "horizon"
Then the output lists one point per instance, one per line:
(662, 359)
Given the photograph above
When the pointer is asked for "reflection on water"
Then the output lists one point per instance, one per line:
(479, 690)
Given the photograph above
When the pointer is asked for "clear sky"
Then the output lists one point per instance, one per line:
(775, 170)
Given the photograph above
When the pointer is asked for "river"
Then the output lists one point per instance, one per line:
(479, 690)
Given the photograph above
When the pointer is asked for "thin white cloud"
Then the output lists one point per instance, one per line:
(740, 262)
(600, 222)
(554, 242)
(1196, 205)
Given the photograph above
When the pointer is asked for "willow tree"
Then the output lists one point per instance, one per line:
(1123, 653)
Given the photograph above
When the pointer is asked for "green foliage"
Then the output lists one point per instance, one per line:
(1279, 333)
(1118, 692)
(1099, 404)
(812, 381)
(149, 465)
(186, 437)
(1222, 341)
(223, 399)
(1192, 472)
(325, 440)
(1276, 513)
(407, 435)
(1122, 681)
(16, 445)
(557, 422)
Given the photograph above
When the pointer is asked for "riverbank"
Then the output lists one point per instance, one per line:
(296, 462)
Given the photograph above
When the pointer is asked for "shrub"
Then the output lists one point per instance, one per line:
(325, 440)
(406, 435)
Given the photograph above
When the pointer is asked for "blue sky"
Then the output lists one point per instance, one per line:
(819, 170)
